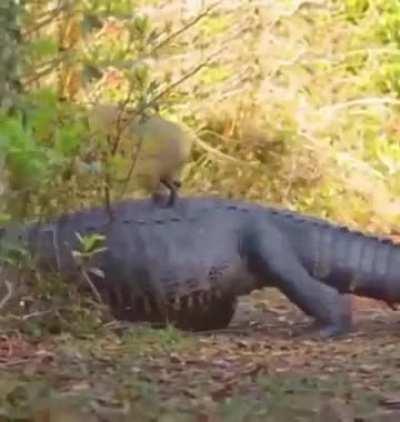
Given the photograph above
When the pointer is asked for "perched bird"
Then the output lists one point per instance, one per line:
(160, 147)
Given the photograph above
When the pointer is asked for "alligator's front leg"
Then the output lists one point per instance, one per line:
(271, 258)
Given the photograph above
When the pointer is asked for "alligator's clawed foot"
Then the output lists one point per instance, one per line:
(319, 331)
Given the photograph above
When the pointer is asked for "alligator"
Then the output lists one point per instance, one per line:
(187, 264)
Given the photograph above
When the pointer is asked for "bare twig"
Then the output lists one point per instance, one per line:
(76, 256)
(132, 166)
(8, 294)
(121, 127)
(185, 27)
(218, 153)
(107, 196)
(35, 314)
(93, 288)
(178, 82)
(367, 101)
(308, 58)
(240, 331)
(114, 149)
(45, 19)
(47, 68)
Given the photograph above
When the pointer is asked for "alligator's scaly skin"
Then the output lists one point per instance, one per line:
(348, 260)
(187, 264)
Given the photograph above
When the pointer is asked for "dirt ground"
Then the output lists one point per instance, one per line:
(256, 370)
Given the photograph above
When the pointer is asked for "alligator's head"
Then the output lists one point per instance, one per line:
(13, 241)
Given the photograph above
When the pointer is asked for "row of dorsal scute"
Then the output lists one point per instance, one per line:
(318, 222)
(282, 212)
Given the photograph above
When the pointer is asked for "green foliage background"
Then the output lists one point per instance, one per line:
(303, 95)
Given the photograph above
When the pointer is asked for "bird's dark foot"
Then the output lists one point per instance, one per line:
(173, 188)
(161, 200)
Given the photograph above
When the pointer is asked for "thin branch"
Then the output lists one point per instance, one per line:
(359, 102)
(91, 285)
(178, 82)
(81, 267)
(8, 294)
(233, 330)
(184, 28)
(107, 196)
(132, 166)
(51, 64)
(229, 88)
(114, 149)
(120, 127)
(218, 153)
(35, 314)
(44, 20)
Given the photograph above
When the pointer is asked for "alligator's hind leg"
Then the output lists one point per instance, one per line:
(272, 259)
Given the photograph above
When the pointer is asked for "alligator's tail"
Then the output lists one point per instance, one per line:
(360, 264)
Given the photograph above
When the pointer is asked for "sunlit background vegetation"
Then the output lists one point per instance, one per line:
(301, 97)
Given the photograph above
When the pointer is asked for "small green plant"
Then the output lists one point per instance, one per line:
(90, 246)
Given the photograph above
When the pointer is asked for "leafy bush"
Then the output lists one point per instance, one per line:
(301, 96)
